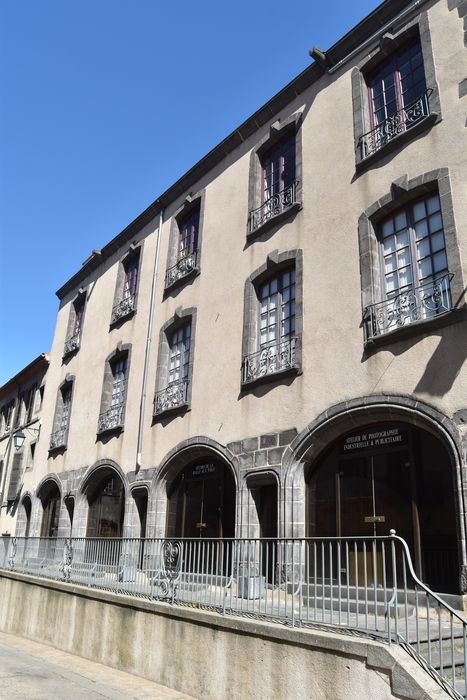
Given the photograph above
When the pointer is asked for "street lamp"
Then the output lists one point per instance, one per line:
(19, 437)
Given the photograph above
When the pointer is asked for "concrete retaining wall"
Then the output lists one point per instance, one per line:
(204, 654)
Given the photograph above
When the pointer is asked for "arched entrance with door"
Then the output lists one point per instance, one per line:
(105, 492)
(397, 468)
(201, 501)
(50, 497)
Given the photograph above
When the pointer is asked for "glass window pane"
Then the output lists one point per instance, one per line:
(437, 242)
(424, 268)
(273, 286)
(423, 248)
(432, 204)
(418, 211)
(440, 262)
(389, 245)
(390, 263)
(405, 276)
(421, 229)
(387, 228)
(391, 282)
(436, 223)
(400, 221)
(403, 257)
(402, 239)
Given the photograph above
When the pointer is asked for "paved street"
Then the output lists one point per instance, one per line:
(33, 671)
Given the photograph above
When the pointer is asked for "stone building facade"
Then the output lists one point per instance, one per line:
(21, 401)
(276, 346)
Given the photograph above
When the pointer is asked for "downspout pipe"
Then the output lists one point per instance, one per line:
(147, 354)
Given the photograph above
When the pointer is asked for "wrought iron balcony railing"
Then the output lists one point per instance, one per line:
(72, 343)
(58, 439)
(270, 360)
(393, 126)
(173, 396)
(273, 206)
(431, 299)
(123, 308)
(186, 264)
(111, 419)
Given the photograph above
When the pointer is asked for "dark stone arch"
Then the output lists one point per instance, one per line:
(178, 459)
(23, 522)
(49, 493)
(105, 489)
(311, 443)
(95, 472)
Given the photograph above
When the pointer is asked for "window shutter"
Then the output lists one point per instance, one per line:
(15, 478)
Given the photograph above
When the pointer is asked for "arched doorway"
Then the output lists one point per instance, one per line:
(263, 491)
(201, 501)
(49, 495)
(106, 498)
(389, 475)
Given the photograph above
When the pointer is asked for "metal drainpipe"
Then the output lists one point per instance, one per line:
(148, 344)
(374, 36)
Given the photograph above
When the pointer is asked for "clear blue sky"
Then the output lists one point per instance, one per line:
(104, 104)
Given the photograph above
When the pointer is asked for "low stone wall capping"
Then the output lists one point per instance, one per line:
(205, 654)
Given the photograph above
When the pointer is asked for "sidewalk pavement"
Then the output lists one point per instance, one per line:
(34, 671)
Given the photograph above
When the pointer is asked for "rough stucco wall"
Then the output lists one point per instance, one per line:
(204, 655)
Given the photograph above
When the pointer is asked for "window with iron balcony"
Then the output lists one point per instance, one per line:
(114, 392)
(398, 98)
(275, 175)
(7, 417)
(272, 326)
(29, 402)
(395, 94)
(175, 394)
(183, 261)
(127, 287)
(75, 325)
(410, 267)
(59, 436)
(174, 371)
(278, 183)
(414, 275)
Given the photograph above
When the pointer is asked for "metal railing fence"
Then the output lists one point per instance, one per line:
(363, 586)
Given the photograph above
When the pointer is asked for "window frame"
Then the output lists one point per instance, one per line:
(166, 398)
(74, 334)
(60, 432)
(125, 304)
(403, 193)
(106, 422)
(276, 264)
(8, 412)
(182, 268)
(279, 132)
(390, 44)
